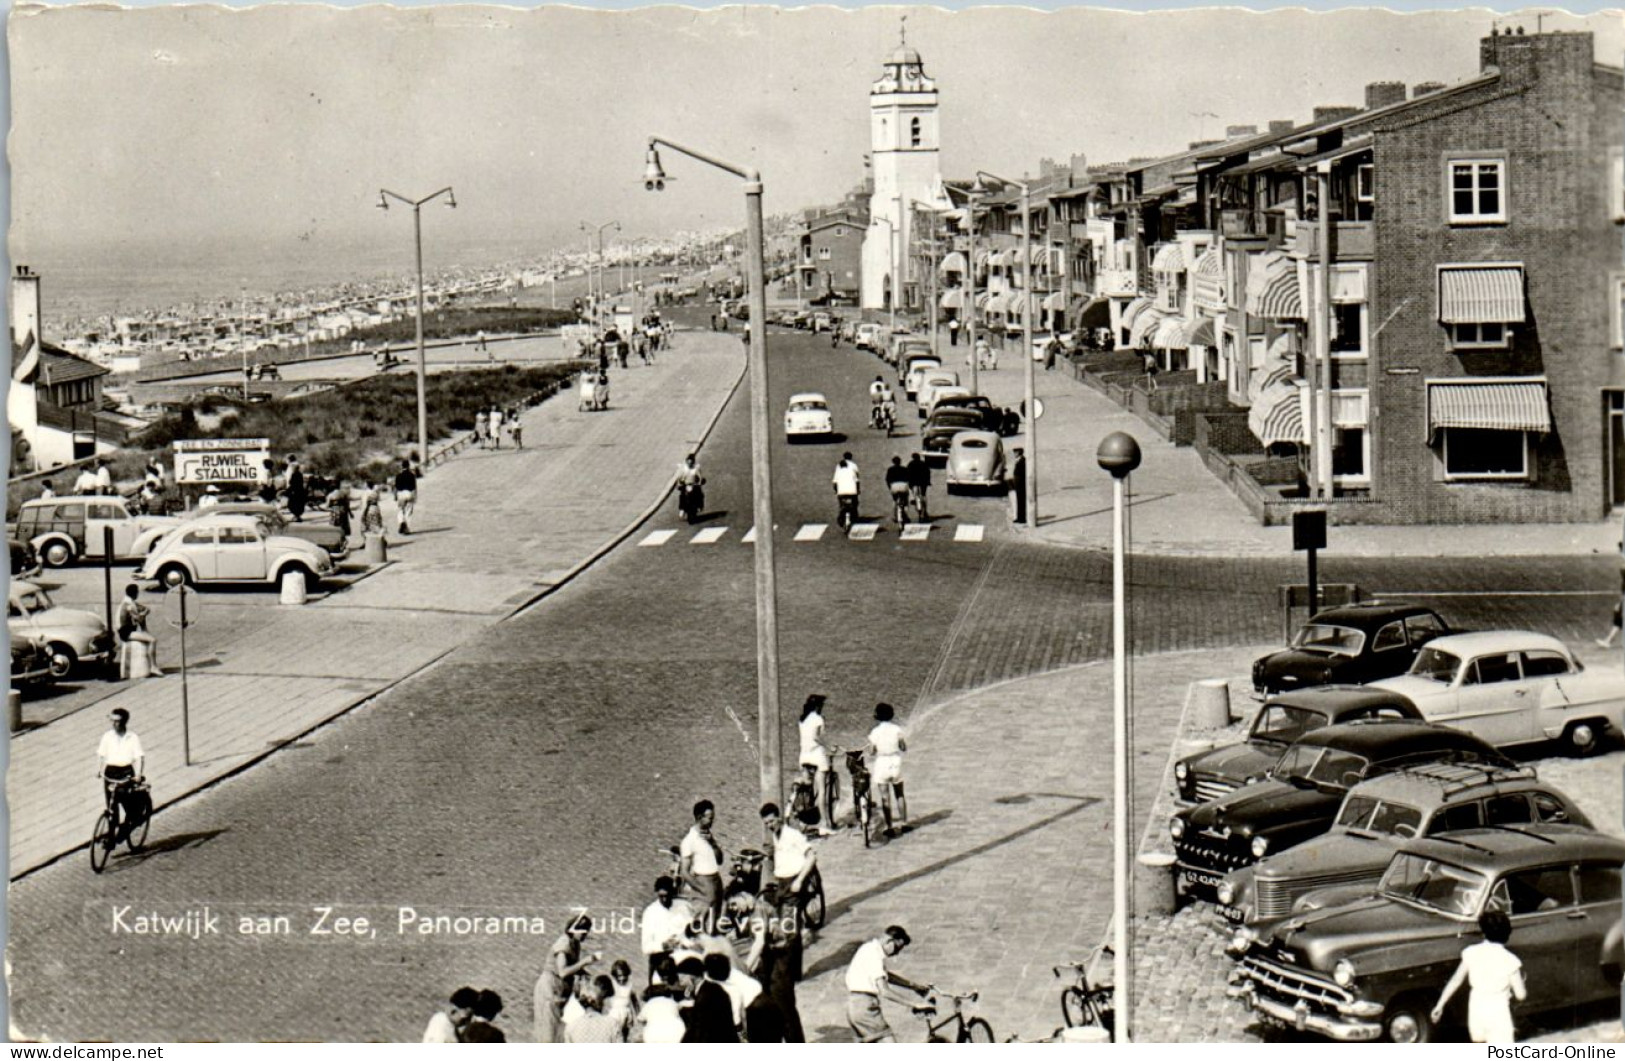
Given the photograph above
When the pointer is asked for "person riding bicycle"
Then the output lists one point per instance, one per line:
(847, 488)
(881, 401)
(688, 473)
(119, 759)
(897, 481)
(919, 482)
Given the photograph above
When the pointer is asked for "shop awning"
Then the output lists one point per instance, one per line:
(1207, 282)
(1145, 325)
(1278, 415)
(1199, 332)
(1132, 311)
(1281, 299)
(1170, 258)
(998, 303)
(953, 298)
(1491, 405)
(1170, 334)
(953, 263)
(1490, 294)
(1091, 313)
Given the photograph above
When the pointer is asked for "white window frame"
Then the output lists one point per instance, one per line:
(1477, 161)
(1357, 481)
(1616, 184)
(1460, 340)
(1365, 183)
(1364, 352)
(1508, 477)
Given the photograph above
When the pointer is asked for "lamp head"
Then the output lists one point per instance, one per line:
(1118, 454)
(451, 200)
(654, 175)
(383, 203)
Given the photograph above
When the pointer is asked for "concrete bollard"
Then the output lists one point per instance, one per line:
(1086, 1034)
(140, 660)
(293, 588)
(376, 550)
(1210, 703)
(14, 710)
(1154, 891)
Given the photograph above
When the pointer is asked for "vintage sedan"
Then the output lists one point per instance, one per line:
(71, 636)
(929, 382)
(938, 433)
(1376, 819)
(808, 415)
(1353, 644)
(1300, 796)
(865, 335)
(30, 661)
(1373, 969)
(64, 529)
(234, 549)
(275, 520)
(1514, 687)
(1281, 721)
(975, 460)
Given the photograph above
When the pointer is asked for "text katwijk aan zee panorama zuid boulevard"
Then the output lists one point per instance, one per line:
(333, 921)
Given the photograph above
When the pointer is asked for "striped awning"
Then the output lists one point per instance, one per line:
(1170, 333)
(1491, 405)
(982, 299)
(1170, 258)
(999, 303)
(1490, 294)
(1015, 303)
(1145, 325)
(1132, 311)
(1091, 313)
(1278, 415)
(982, 259)
(953, 263)
(953, 298)
(995, 260)
(1261, 269)
(1199, 332)
(1207, 282)
(1278, 366)
(1054, 300)
(1281, 299)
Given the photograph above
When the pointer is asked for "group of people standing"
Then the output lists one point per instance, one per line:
(490, 425)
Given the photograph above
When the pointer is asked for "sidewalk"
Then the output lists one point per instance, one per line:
(1179, 507)
(495, 530)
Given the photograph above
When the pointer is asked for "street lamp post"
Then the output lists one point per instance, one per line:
(929, 261)
(1030, 420)
(770, 764)
(384, 196)
(1119, 454)
(969, 308)
(891, 269)
(598, 230)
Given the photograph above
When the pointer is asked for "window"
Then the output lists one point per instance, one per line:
(1424, 628)
(1488, 335)
(237, 536)
(914, 132)
(1533, 891)
(1489, 670)
(1481, 453)
(1348, 329)
(1511, 808)
(105, 511)
(1616, 183)
(823, 254)
(1477, 191)
(1549, 808)
(1544, 664)
(1365, 192)
(1452, 819)
(1390, 636)
(1599, 883)
(1351, 438)
(1616, 309)
(199, 537)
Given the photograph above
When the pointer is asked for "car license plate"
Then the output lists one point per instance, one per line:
(1233, 913)
(1196, 876)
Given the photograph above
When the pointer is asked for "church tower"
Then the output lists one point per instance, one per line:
(903, 141)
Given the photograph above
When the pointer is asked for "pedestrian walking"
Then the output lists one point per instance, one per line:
(516, 431)
(623, 1004)
(1018, 486)
(266, 478)
(487, 1007)
(1494, 976)
(815, 755)
(953, 331)
(338, 508)
(479, 343)
(663, 924)
(557, 983)
(886, 747)
(868, 981)
(1613, 629)
(296, 488)
(406, 495)
(104, 479)
(775, 953)
(447, 1025)
(480, 428)
(494, 425)
(130, 624)
(702, 860)
(372, 509)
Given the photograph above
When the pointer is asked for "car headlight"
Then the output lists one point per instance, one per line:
(1343, 972)
(1261, 845)
(1176, 827)
(1227, 893)
(1181, 771)
(1243, 940)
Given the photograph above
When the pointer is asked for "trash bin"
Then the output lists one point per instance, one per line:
(293, 587)
(14, 710)
(1154, 890)
(376, 551)
(1210, 703)
(140, 660)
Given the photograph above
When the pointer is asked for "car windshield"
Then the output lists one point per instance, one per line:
(1433, 885)
(1384, 817)
(807, 407)
(1328, 637)
(973, 443)
(1320, 767)
(1284, 724)
(1437, 665)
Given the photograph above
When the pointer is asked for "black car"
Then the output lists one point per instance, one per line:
(939, 431)
(23, 560)
(1281, 721)
(1300, 796)
(1354, 644)
(1005, 422)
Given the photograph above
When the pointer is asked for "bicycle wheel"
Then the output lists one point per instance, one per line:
(977, 1030)
(1074, 1008)
(100, 849)
(866, 814)
(812, 900)
(141, 817)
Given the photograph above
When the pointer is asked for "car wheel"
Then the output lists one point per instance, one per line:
(57, 554)
(63, 659)
(1583, 738)
(174, 575)
(1408, 1021)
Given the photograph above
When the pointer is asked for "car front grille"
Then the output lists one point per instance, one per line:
(1210, 787)
(1275, 897)
(1211, 854)
(1274, 976)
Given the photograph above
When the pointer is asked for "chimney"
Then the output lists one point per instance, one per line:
(25, 321)
(1198, 144)
(1232, 132)
(1280, 127)
(1384, 94)
(1330, 114)
(1523, 59)
(1425, 88)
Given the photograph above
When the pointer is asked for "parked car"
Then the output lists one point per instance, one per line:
(1514, 687)
(71, 636)
(1354, 644)
(929, 381)
(24, 561)
(801, 319)
(30, 661)
(1377, 817)
(823, 321)
(1300, 795)
(863, 336)
(1373, 969)
(1279, 723)
(316, 531)
(939, 394)
(1006, 422)
(234, 549)
(975, 459)
(938, 433)
(911, 366)
(903, 343)
(808, 414)
(65, 529)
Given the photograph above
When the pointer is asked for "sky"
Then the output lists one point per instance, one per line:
(260, 131)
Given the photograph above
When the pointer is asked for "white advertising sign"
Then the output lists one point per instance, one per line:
(221, 460)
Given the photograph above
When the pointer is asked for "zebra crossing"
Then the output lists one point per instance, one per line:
(815, 532)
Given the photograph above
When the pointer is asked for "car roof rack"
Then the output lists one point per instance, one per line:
(1453, 777)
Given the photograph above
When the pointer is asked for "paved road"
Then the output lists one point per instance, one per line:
(538, 768)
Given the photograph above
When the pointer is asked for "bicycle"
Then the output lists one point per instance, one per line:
(899, 499)
(846, 510)
(746, 870)
(1084, 1004)
(967, 1029)
(863, 802)
(918, 494)
(804, 796)
(136, 797)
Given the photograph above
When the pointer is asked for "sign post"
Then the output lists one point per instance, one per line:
(1309, 534)
(181, 607)
(225, 462)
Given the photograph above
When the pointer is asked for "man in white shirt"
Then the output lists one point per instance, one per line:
(702, 861)
(104, 479)
(846, 490)
(793, 856)
(663, 923)
(446, 1026)
(867, 979)
(119, 758)
(85, 483)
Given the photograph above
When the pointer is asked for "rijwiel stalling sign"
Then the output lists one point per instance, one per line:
(220, 460)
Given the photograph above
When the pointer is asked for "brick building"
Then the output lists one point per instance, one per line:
(829, 264)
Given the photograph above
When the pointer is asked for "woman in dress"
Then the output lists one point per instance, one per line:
(1494, 976)
(815, 754)
(886, 746)
(372, 510)
(556, 986)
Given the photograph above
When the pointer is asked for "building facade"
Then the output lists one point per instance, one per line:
(904, 163)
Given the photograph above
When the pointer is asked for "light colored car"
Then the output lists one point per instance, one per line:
(939, 395)
(930, 380)
(65, 529)
(864, 335)
(1513, 687)
(912, 367)
(808, 414)
(71, 636)
(276, 521)
(975, 459)
(899, 342)
(234, 549)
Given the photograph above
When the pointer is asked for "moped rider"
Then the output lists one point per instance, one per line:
(689, 479)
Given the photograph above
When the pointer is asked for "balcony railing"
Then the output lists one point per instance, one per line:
(1118, 283)
(1351, 241)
